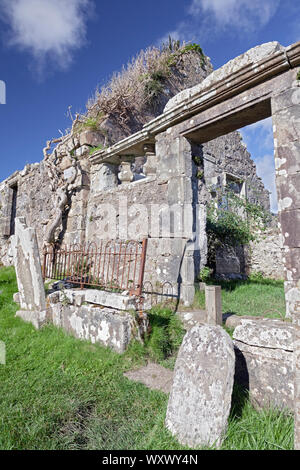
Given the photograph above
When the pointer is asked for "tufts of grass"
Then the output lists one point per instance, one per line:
(165, 337)
(58, 392)
(249, 429)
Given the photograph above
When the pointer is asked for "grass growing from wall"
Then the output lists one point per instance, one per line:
(58, 392)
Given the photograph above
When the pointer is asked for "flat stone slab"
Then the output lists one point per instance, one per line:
(110, 299)
(266, 333)
(192, 318)
(153, 376)
(232, 321)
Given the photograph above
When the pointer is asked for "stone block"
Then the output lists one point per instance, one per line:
(290, 257)
(110, 299)
(174, 156)
(292, 299)
(104, 326)
(264, 353)
(286, 99)
(286, 125)
(106, 178)
(287, 158)
(227, 261)
(288, 188)
(91, 138)
(36, 318)
(200, 399)
(290, 227)
(65, 163)
(180, 190)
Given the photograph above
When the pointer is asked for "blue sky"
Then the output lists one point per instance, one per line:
(54, 53)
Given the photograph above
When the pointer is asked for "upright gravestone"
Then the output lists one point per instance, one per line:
(29, 274)
(213, 304)
(200, 399)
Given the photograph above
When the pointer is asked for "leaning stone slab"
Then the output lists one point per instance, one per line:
(29, 274)
(110, 299)
(264, 361)
(200, 399)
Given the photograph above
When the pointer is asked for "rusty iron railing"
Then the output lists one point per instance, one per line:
(162, 294)
(114, 265)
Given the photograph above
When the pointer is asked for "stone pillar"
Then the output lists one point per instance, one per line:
(286, 125)
(175, 168)
(126, 175)
(213, 304)
(151, 163)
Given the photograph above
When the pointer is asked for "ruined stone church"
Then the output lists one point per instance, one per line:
(145, 154)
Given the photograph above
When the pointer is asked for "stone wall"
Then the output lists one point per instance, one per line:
(228, 155)
(136, 204)
(35, 201)
(263, 256)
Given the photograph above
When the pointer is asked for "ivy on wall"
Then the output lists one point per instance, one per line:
(232, 220)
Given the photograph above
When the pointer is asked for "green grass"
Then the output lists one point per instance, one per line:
(263, 297)
(58, 392)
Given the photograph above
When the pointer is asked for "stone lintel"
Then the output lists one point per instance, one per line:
(226, 85)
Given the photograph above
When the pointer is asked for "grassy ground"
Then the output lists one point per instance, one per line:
(255, 297)
(61, 393)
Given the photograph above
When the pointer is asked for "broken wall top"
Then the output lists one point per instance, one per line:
(255, 66)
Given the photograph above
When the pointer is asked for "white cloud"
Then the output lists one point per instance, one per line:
(50, 30)
(259, 140)
(208, 18)
(262, 131)
(249, 14)
(266, 170)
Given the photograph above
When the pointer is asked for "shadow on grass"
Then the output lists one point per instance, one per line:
(240, 397)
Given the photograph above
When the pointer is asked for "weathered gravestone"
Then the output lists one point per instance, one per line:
(29, 274)
(200, 399)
